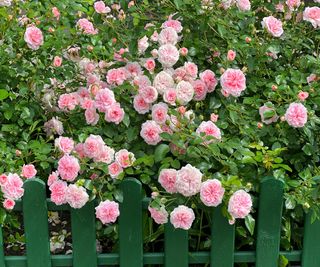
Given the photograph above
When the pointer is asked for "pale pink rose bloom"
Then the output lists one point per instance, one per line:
(226, 4)
(68, 168)
(68, 101)
(140, 105)
(167, 179)
(79, 149)
(93, 146)
(210, 80)
(214, 117)
(57, 61)
(56, 12)
(33, 37)
(188, 181)
(53, 126)
(163, 81)
(3, 179)
(117, 76)
(76, 196)
(8, 204)
(150, 64)
(107, 211)
(273, 26)
(143, 44)
(58, 192)
(311, 78)
(142, 81)
(150, 132)
(64, 144)
(233, 82)
(154, 37)
(185, 92)
(91, 115)
(303, 95)
(168, 36)
(244, 5)
(28, 171)
(175, 24)
(296, 115)
(191, 69)
(312, 14)
(114, 113)
(279, 7)
(160, 216)
(87, 103)
(52, 178)
(183, 51)
(86, 26)
(211, 193)
(170, 96)
(159, 113)
(209, 129)
(13, 188)
(265, 108)
(101, 8)
(182, 217)
(168, 55)
(84, 93)
(154, 53)
(106, 155)
(200, 90)
(149, 94)
(293, 4)
(115, 169)
(231, 55)
(124, 158)
(134, 69)
(240, 204)
(5, 3)
(104, 99)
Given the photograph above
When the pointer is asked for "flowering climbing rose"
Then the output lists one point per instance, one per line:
(296, 115)
(107, 211)
(182, 217)
(240, 204)
(233, 82)
(188, 181)
(211, 193)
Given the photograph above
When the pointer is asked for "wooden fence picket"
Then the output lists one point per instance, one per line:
(1, 248)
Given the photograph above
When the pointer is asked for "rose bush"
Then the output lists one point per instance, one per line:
(199, 100)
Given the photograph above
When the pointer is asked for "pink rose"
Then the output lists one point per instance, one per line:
(160, 216)
(167, 179)
(243, 5)
(182, 217)
(68, 168)
(134, 69)
(303, 95)
(279, 7)
(124, 158)
(211, 193)
(185, 92)
(140, 105)
(76, 196)
(117, 76)
(86, 26)
(93, 146)
(209, 129)
(115, 169)
(79, 149)
(154, 53)
(191, 70)
(170, 96)
(104, 99)
(163, 81)
(268, 113)
(231, 55)
(183, 51)
(3, 179)
(53, 177)
(91, 115)
(53, 126)
(141, 81)
(55, 12)
(150, 64)
(188, 181)
(240, 204)
(106, 155)
(208, 77)
(68, 101)
(64, 144)
(214, 117)
(13, 188)
(101, 8)
(312, 14)
(293, 4)
(296, 115)
(114, 113)
(9, 204)
(200, 90)
(168, 36)
(143, 44)
(57, 61)
(311, 78)
(28, 171)
(233, 82)
(33, 37)
(154, 37)
(58, 192)
(107, 211)
(150, 132)
(149, 94)
(175, 24)
(273, 26)
(160, 113)
(168, 55)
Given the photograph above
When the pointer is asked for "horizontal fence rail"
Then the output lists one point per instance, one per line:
(35, 207)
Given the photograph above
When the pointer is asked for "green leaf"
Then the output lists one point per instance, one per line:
(308, 149)
(283, 261)
(118, 195)
(250, 223)
(3, 94)
(3, 216)
(160, 152)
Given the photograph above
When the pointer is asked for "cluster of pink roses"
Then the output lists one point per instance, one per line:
(188, 182)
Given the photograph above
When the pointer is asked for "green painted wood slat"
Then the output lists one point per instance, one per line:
(222, 240)
(311, 243)
(1, 249)
(176, 246)
(269, 222)
(83, 228)
(35, 216)
(130, 224)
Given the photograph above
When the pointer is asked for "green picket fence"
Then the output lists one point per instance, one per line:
(35, 206)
